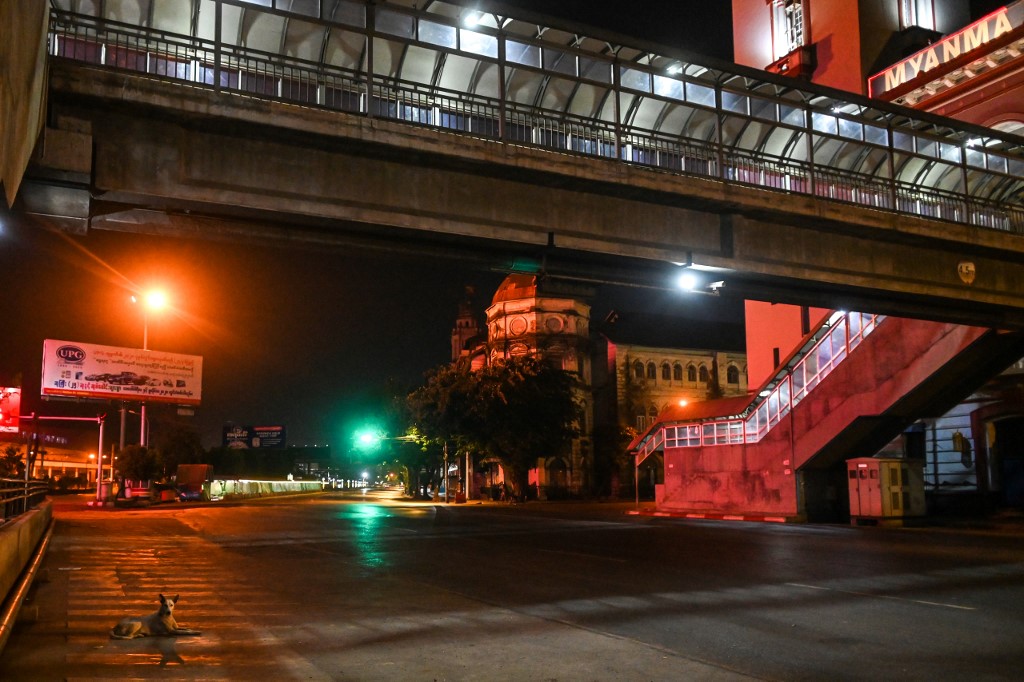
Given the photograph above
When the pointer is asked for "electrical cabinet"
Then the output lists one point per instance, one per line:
(884, 489)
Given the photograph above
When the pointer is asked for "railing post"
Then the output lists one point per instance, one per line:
(719, 127)
(218, 24)
(371, 30)
(617, 104)
(891, 162)
(812, 177)
(502, 88)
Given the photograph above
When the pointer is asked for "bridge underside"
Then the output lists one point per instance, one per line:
(123, 152)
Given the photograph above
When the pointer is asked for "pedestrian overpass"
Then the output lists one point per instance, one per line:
(498, 136)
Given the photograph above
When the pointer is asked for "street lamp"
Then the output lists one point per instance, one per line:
(154, 300)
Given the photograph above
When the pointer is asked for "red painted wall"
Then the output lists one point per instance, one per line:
(759, 478)
(770, 326)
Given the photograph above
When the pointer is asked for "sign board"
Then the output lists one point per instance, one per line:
(986, 30)
(254, 437)
(10, 409)
(85, 370)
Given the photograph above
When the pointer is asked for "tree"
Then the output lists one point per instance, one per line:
(179, 445)
(527, 410)
(139, 463)
(518, 411)
(445, 412)
(11, 465)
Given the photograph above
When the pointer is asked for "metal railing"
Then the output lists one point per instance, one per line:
(833, 343)
(19, 496)
(230, 68)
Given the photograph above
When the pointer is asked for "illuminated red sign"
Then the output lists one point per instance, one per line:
(10, 409)
(984, 31)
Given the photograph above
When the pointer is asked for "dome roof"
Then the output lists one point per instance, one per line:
(516, 287)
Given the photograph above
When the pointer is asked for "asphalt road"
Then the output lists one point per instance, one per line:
(368, 587)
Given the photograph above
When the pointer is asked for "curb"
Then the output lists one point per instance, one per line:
(757, 518)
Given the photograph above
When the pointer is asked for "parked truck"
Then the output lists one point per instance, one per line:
(192, 481)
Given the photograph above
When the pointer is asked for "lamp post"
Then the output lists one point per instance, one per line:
(153, 300)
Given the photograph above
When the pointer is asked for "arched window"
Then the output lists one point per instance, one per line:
(732, 374)
(677, 372)
(703, 374)
(666, 372)
(691, 373)
(638, 370)
(652, 371)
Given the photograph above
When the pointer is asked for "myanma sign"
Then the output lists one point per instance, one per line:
(85, 370)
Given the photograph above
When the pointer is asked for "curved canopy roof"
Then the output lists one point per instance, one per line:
(612, 96)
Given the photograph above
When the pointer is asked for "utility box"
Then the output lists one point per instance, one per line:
(885, 490)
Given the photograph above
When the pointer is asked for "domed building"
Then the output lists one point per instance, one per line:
(630, 367)
(535, 316)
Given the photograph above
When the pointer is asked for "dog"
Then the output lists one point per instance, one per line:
(157, 624)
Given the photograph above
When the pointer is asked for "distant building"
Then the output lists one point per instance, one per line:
(629, 368)
(653, 361)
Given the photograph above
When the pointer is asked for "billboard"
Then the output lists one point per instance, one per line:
(254, 437)
(85, 370)
(10, 409)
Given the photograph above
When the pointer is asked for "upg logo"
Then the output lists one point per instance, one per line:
(72, 354)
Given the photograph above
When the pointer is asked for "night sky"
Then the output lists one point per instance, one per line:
(289, 335)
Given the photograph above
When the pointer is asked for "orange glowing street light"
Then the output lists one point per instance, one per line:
(155, 300)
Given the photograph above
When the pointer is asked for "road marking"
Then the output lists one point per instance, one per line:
(883, 596)
(584, 555)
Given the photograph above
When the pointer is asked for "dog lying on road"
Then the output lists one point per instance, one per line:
(155, 624)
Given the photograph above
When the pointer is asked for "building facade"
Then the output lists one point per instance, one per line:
(630, 367)
(960, 59)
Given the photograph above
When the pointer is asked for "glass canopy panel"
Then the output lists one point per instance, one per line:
(418, 64)
(173, 16)
(734, 102)
(459, 72)
(88, 7)
(943, 176)
(475, 42)
(764, 109)
(261, 31)
(588, 100)
(635, 79)
(522, 53)
(909, 168)
(792, 115)
(595, 70)
(309, 8)
(523, 87)
(669, 88)
(557, 93)
(345, 12)
(207, 26)
(441, 35)
(733, 128)
(488, 80)
(387, 57)
(559, 61)
(785, 142)
(679, 120)
(304, 40)
(648, 114)
(394, 23)
(700, 94)
(346, 49)
(134, 12)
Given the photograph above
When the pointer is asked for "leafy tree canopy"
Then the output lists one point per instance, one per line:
(517, 410)
(11, 464)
